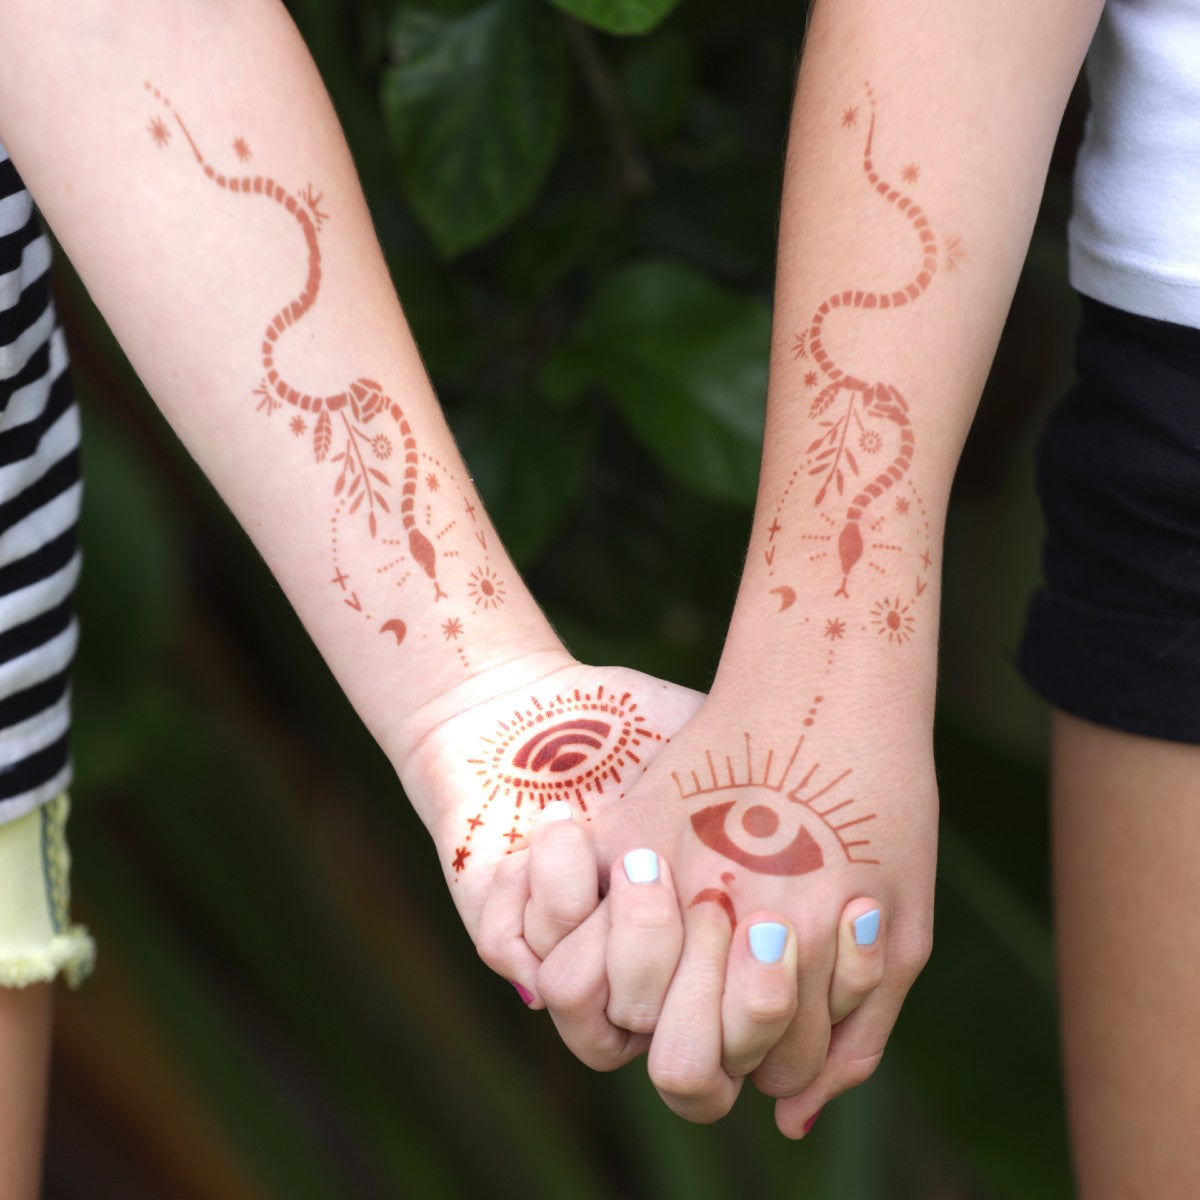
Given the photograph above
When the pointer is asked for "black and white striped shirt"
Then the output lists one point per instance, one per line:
(39, 510)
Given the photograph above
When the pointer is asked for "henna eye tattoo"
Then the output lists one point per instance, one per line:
(575, 747)
(773, 829)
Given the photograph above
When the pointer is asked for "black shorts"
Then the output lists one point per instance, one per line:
(1114, 635)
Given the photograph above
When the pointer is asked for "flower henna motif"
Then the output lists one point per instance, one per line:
(573, 748)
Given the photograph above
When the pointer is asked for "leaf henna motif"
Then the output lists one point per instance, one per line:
(573, 747)
(322, 436)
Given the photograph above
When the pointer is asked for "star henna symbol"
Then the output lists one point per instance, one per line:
(911, 173)
(452, 629)
(159, 131)
(297, 426)
(849, 117)
(835, 629)
(460, 858)
(475, 822)
(810, 379)
(431, 482)
(241, 149)
(902, 506)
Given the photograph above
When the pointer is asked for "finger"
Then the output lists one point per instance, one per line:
(797, 1058)
(860, 958)
(645, 940)
(760, 992)
(573, 983)
(855, 1050)
(564, 886)
(685, 1054)
(500, 938)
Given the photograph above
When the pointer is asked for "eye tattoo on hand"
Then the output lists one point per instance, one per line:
(576, 747)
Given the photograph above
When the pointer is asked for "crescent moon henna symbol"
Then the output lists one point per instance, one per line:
(787, 597)
(396, 626)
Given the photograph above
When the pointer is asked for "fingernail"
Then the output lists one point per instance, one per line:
(866, 928)
(525, 994)
(813, 1119)
(641, 866)
(767, 941)
(556, 810)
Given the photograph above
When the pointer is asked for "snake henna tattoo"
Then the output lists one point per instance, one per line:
(344, 434)
(857, 416)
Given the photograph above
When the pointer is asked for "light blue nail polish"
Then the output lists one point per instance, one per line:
(641, 866)
(866, 928)
(767, 941)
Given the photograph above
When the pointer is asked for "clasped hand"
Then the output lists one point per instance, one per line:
(731, 902)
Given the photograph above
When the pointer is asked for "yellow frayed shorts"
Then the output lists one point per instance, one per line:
(37, 941)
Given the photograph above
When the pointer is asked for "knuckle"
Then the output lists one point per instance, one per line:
(911, 958)
(859, 1070)
(492, 949)
(635, 1017)
(562, 990)
(682, 1079)
(770, 1008)
(782, 1080)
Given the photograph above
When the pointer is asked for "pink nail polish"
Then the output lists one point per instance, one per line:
(811, 1121)
(527, 998)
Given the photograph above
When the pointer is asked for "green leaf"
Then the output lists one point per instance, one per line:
(685, 363)
(529, 462)
(619, 16)
(475, 106)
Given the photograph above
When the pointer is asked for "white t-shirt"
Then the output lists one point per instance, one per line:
(1135, 225)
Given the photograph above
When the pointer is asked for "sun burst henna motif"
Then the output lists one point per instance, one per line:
(574, 747)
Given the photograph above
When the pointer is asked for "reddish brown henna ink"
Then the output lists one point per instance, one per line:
(359, 483)
(852, 412)
(768, 824)
(574, 747)
(720, 898)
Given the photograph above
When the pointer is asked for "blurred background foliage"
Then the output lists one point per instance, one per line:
(578, 203)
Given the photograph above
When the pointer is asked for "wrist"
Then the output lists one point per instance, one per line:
(503, 670)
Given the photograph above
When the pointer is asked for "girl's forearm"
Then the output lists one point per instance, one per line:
(189, 161)
(920, 141)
